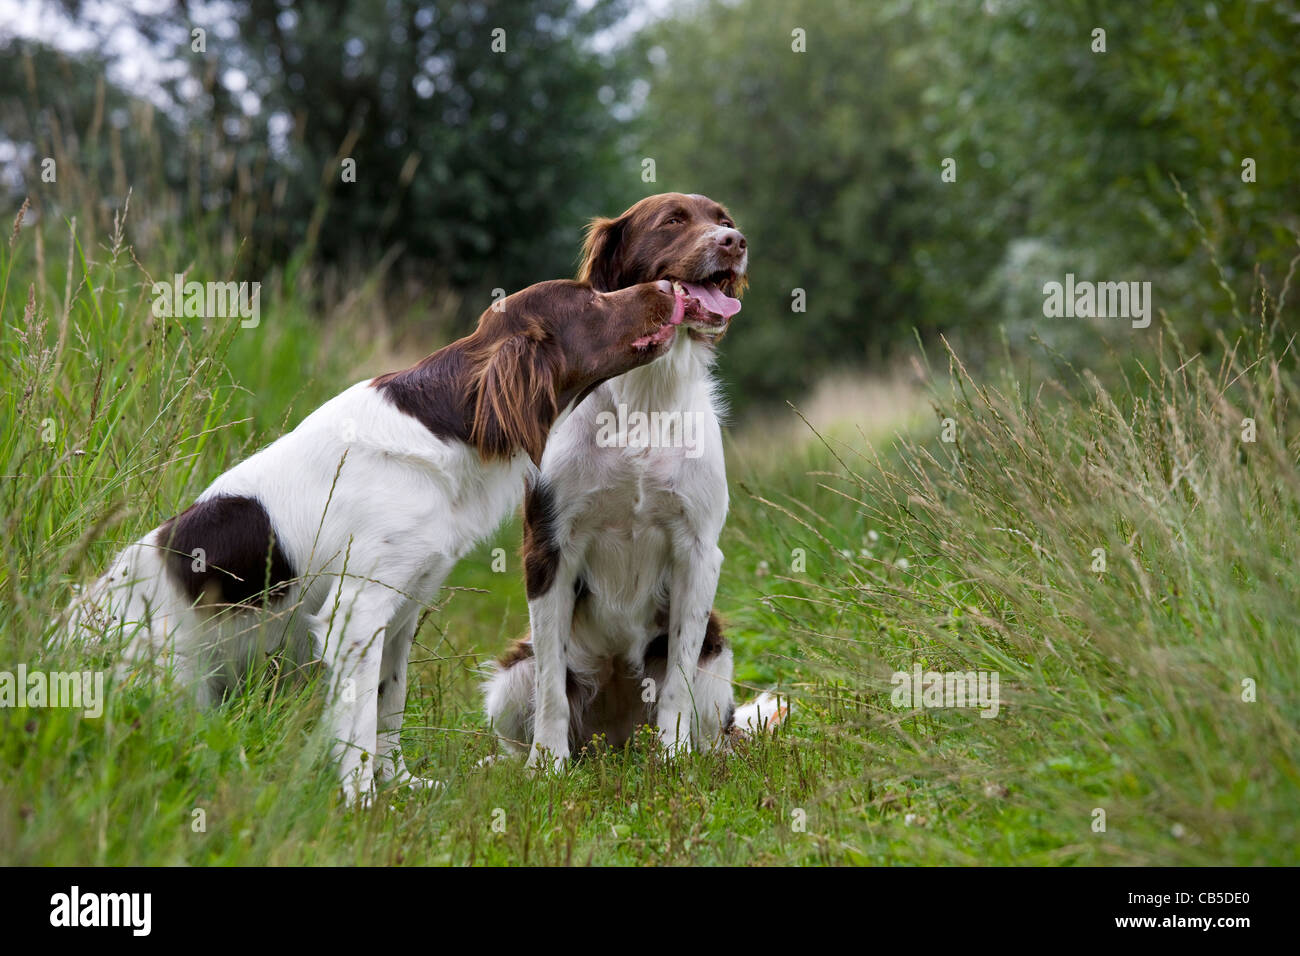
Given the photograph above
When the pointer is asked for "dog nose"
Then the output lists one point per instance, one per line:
(731, 240)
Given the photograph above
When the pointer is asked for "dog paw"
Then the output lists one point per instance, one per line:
(677, 748)
(353, 799)
(400, 777)
(674, 737)
(543, 760)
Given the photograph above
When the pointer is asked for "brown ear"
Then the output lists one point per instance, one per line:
(516, 399)
(602, 260)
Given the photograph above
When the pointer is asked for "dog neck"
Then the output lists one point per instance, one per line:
(669, 383)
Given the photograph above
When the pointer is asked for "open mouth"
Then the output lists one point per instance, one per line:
(717, 307)
(700, 306)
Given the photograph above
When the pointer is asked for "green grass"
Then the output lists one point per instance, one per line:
(1121, 690)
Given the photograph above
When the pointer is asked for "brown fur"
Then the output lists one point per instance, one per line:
(541, 554)
(517, 383)
(520, 649)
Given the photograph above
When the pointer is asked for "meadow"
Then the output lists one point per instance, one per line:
(1116, 542)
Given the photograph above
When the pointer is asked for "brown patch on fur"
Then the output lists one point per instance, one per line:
(609, 703)
(434, 393)
(540, 551)
(241, 560)
(713, 639)
(520, 650)
(713, 644)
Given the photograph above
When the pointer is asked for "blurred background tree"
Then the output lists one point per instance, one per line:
(481, 132)
(63, 107)
(824, 124)
(817, 155)
(1070, 121)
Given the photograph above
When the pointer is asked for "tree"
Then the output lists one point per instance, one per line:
(480, 133)
(813, 140)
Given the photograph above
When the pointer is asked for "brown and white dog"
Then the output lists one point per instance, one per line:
(621, 526)
(331, 540)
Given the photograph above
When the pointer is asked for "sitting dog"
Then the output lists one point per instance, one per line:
(329, 541)
(621, 550)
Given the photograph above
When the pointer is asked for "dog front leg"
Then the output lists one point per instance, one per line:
(353, 653)
(550, 613)
(694, 582)
(389, 764)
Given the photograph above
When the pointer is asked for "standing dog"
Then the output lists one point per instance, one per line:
(621, 532)
(329, 541)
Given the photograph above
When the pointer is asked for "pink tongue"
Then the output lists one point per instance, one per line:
(679, 309)
(712, 298)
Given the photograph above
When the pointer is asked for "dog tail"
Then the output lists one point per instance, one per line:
(762, 714)
(508, 696)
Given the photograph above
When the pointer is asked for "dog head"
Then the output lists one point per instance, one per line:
(688, 239)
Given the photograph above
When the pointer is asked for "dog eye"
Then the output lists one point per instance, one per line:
(673, 221)
(727, 224)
